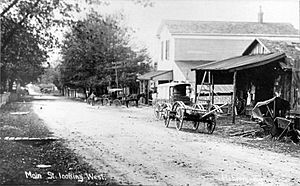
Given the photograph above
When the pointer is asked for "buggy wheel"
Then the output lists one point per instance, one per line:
(211, 124)
(179, 118)
(116, 102)
(157, 111)
(142, 100)
(132, 103)
(167, 118)
(105, 101)
(98, 102)
(196, 125)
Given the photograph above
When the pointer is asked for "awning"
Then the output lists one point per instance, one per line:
(157, 75)
(241, 62)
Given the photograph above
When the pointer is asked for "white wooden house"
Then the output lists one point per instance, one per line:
(185, 44)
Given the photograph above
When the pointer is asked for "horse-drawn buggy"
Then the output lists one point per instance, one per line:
(174, 104)
(117, 97)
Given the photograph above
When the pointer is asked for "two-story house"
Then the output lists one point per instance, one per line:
(185, 44)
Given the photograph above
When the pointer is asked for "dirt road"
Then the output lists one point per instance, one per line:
(134, 148)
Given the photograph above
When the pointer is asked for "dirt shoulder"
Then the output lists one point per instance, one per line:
(257, 139)
(39, 162)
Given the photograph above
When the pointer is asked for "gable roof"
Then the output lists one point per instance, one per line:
(291, 49)
(224, 27)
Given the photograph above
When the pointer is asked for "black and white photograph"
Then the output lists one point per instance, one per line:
(150, 92)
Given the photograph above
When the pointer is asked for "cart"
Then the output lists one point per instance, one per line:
(271, 116)
(175, 104)
(114, 97)
(180, 112)
(117, 97)
(168, 94)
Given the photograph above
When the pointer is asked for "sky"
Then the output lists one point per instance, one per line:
(146, 20)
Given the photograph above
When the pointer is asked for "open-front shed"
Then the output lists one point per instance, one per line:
(254, 78)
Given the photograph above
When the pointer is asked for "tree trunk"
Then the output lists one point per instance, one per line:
(10, 85)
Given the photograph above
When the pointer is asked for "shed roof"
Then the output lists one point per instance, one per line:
(152, 74)
(224, 27)
(241, 62)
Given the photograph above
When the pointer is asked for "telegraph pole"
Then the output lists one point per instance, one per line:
(117, 65)
(0, 63)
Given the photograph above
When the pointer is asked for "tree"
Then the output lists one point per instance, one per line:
(27, 24)
(94, 47)
(25, 37)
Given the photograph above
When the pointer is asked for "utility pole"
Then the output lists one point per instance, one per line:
(117, 82)
(0, 62)
(116, 66)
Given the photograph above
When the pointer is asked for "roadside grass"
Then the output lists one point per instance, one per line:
(19, 162)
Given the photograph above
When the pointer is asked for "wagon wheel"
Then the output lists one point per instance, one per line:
(179, 118)
(157, 110)
(210, 124)
(105, 101)
(116, 102)
(98, 101)
(167, 118)
(196, 125)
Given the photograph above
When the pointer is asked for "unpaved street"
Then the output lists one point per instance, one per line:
(134, 148)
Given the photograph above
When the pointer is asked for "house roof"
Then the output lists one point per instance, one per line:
(186, 66)
(152, 74)
(291, 49)
(224, 27)
(241, 62)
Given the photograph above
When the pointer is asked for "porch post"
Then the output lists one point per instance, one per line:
(195, 87)
(148, 91)
(234, 97)
(209, 86)
(213, 89)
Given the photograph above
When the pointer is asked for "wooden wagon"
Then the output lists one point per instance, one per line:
(174, 104)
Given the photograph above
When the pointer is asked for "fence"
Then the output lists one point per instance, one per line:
(7, 97)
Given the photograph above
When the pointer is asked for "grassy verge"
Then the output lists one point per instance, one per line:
(20, 163)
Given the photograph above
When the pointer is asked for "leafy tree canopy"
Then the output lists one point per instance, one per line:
(95, 49)
(26, 36)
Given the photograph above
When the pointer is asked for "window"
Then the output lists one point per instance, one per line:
(162, 51)
(167, 49)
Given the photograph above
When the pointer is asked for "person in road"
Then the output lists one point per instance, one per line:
(91, 98)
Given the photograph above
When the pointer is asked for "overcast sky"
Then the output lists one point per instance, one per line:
(147, 20)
